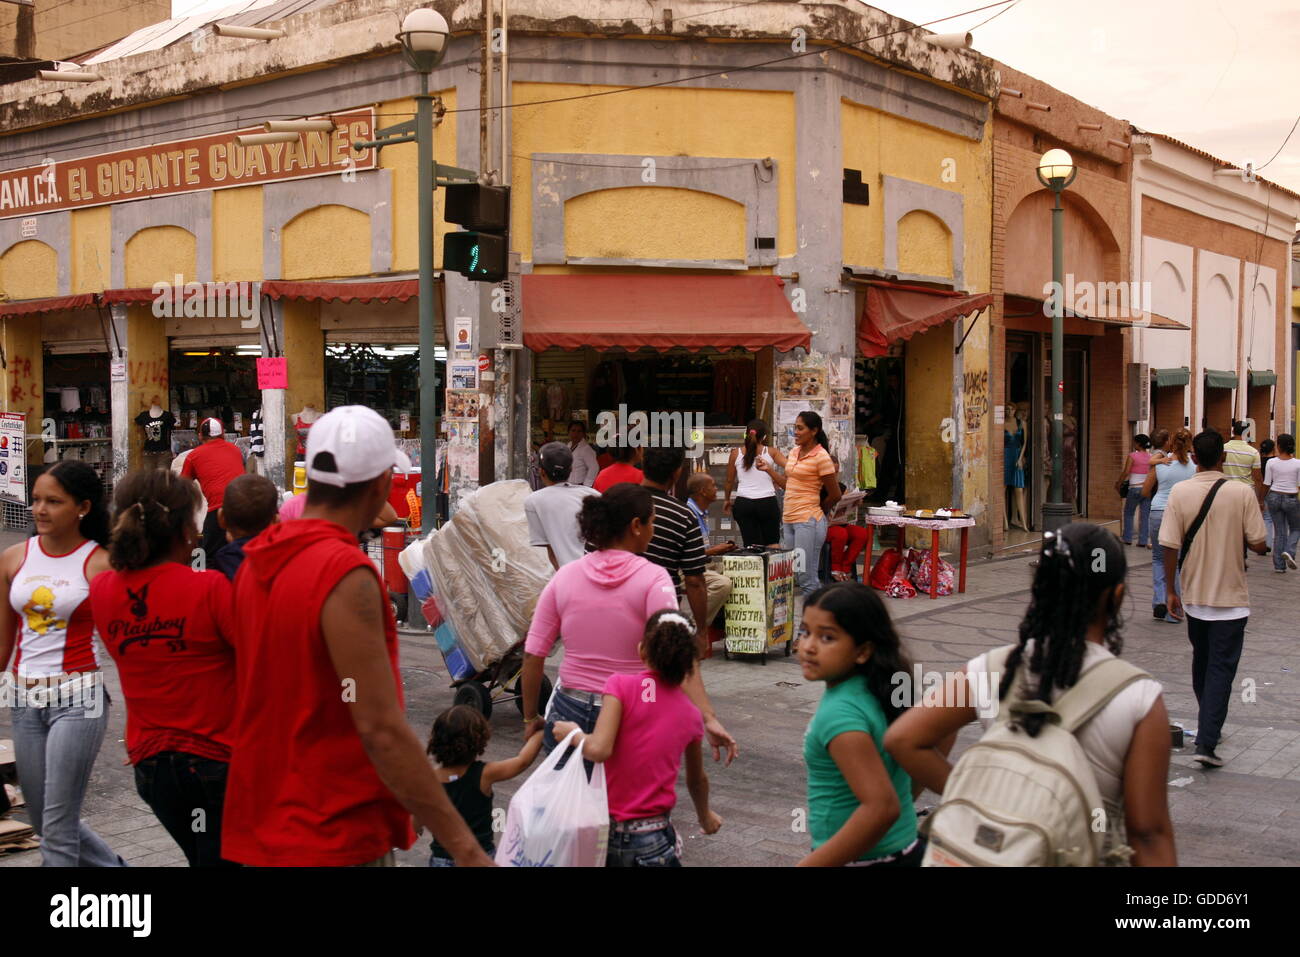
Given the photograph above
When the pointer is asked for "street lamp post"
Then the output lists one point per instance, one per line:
(1056, 171)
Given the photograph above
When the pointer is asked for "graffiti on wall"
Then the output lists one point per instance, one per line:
(975, 398)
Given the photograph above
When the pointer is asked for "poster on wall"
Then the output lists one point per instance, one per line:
(841, 403)
(462, 404)
(800, 381)
(13, 457)
(462, 331)
(462, 374)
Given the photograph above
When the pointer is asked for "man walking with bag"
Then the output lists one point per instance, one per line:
(1206, 518)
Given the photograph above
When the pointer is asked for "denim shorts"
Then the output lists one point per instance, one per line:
(644, 849)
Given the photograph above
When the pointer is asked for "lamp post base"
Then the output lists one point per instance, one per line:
(1056, 514)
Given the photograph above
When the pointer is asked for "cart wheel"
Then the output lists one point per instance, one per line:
(475, 695)
(787, 648)
(400, 605)
(725, 653)
(763, 656)
(543, 695)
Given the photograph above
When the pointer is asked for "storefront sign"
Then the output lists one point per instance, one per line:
(216, 161)
(29, 228)
(273, 372)
(13, 457)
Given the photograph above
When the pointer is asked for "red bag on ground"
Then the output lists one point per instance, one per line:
(884, 568)
(919, 565)
(899, 586)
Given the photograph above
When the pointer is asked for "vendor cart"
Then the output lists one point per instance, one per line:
(760, 612)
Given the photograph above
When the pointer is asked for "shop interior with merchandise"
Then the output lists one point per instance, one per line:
(77, 401)
(880, 433)
(213, 382)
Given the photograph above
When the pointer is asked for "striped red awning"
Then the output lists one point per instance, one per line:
(36, 307)
(380, 290)
(632, 312)
(894, 312)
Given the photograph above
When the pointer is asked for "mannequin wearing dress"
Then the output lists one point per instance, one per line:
(1013, 467)
(302, 423)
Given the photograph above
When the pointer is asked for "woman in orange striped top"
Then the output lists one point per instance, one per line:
(808, 469)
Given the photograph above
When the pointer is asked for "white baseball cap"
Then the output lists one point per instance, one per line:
(360, 443)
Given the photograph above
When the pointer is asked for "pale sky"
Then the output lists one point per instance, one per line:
(1222, 75)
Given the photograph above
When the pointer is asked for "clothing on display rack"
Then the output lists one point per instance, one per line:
(733, 388)
(69, 399)
(556, 401)
(157, 430)
(866, 467)
(257, 433)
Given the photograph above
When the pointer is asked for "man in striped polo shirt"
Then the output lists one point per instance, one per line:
(1240, 458)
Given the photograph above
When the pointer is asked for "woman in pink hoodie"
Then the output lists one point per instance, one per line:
(600, 604)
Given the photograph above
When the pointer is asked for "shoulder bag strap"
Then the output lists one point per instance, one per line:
(1198, 521)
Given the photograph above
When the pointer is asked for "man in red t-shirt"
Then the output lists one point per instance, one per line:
(325, 770)
(213, 465)
(623, 469)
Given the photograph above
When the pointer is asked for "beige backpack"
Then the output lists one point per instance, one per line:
(1017, 801)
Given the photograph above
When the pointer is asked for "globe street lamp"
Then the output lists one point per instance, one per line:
(424, 42)
(1056, 171)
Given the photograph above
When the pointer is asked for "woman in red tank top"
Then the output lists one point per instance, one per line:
(61, 704)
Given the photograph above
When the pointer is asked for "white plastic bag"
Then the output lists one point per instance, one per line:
(558, 818)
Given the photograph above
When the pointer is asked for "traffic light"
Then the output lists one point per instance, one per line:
(482, 253)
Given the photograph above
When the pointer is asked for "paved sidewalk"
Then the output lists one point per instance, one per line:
(1247, 813)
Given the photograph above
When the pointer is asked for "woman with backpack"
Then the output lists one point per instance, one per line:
(1118, 751)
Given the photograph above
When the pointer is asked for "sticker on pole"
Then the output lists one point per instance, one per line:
(484, 362)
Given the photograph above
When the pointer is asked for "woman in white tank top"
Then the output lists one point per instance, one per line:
(1074, 614)
(756, 508)
(47, 637)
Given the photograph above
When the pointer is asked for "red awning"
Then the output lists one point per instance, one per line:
(660, 312)
(133, 297)
(894, 312)
(35, 307)
(380, 290)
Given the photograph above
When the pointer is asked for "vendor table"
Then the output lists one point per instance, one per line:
(936, 525)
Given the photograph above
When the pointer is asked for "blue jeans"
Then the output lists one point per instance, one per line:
(1284, 509)
(1134, 502)
(806, 537)
(55, 749)
(644, 849)
(564, 708)
(1159, 587)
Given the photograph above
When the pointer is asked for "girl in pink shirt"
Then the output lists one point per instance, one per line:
(646, 722)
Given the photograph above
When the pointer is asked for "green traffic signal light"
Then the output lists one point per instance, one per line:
(481, 257)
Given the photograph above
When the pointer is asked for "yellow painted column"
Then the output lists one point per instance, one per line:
(304, 344)
(24, 377)
(146, 370)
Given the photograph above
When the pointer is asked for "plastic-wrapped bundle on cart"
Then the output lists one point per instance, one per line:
(485, 577)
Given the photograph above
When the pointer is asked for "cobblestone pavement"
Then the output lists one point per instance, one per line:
(1247, 813)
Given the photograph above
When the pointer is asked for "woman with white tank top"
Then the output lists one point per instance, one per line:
(756, 509)
(1071, 624)
(61, 707)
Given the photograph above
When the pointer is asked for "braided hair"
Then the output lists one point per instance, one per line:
(1078, 568)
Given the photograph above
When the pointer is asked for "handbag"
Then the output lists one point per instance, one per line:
(1122, 487)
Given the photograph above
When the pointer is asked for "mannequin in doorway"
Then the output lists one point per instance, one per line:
(302, 423)
(157, 423)
(1013, 467)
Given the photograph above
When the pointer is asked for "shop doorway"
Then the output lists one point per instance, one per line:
(1259, 408)
(880, 422)
(1218, 411)
(77, 405)
(217, 382)
(1029, 392)
(1167, 408)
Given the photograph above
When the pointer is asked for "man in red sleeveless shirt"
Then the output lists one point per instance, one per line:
(325, 770)
(214, 464)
